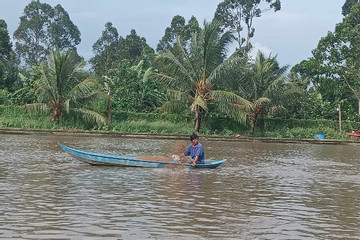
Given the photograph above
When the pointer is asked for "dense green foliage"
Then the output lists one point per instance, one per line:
(8, 70)
(15, 117)
(133, 88)
(110, 51)
(191, 80)
(334, 67)
(41, 29)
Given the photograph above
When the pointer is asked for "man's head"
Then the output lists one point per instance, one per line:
(194, 137)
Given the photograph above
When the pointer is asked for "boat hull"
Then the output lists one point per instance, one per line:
(114, 160)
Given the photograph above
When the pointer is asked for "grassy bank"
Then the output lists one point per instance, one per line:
(15, 117)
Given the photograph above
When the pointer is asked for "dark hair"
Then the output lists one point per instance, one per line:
(193, 136)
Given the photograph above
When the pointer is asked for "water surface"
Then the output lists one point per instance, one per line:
(264, 191)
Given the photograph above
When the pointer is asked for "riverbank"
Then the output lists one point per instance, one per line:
(14, 118)
(237, 137)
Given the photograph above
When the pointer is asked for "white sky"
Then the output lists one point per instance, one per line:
(291, 33)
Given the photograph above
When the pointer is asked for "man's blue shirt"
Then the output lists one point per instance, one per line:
(196, 150)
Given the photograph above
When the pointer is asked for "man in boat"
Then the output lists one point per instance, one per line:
(195, 150)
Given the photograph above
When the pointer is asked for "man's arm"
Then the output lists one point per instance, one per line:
(195, 160)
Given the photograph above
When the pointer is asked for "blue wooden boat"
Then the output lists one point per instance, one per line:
(125, 161)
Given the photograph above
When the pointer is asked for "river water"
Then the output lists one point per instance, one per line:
(264, 191)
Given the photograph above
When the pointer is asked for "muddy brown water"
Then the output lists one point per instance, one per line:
(264, 191)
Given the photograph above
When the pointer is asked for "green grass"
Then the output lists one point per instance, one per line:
(155, 127)
(14, 117)
(305, 133)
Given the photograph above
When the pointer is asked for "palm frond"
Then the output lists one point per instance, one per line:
(173, 107)
(199, 101)
(275, 87)
(232, 111)
(231, 98)
(21, 91)
(62, 68)
(67, 105)
(44, 89)
(37, 108)
(83, 89)
(225, 67)
(78, 102)
(89, 115)
(173, 66)
(177, 95)
(184, 58)
(161, 77)
(148, 74)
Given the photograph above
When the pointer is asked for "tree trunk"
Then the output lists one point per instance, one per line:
(199, 116)
(253, 118)
(197, 120)
(57, 111)
(109, 106)
(253, 122)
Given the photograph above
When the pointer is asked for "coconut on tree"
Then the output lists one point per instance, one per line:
(193, 75)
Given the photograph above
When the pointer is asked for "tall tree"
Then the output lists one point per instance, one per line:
(178, 29)
(192, 76)
(110, 50)
(8, 70)
(41, 29)
(335, 65)
(235, 14)
(134, 48)
(346, 8)
(60, 89)
(63, 33)
(105, 51)
(31, 38)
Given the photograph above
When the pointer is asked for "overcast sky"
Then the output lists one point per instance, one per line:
(290, 33)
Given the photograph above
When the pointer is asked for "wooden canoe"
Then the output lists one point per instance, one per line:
(125, 161)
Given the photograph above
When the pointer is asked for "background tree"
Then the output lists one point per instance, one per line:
(235, 14)
(135, 49)
(31, 38)
(41, 29)
(8, 69)
(348, 5)
(322, 93)
(105, 51)
(62, 32)
(178, 29)
(192, 76)
(110, 50)
(60, 88)
(335, 65)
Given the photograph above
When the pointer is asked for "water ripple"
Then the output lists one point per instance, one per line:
(264, 191)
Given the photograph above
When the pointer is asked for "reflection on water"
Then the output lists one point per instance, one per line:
(264, 191)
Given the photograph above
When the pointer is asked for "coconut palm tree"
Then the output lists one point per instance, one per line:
(193, 75)
(59, 88)
(264, 86)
